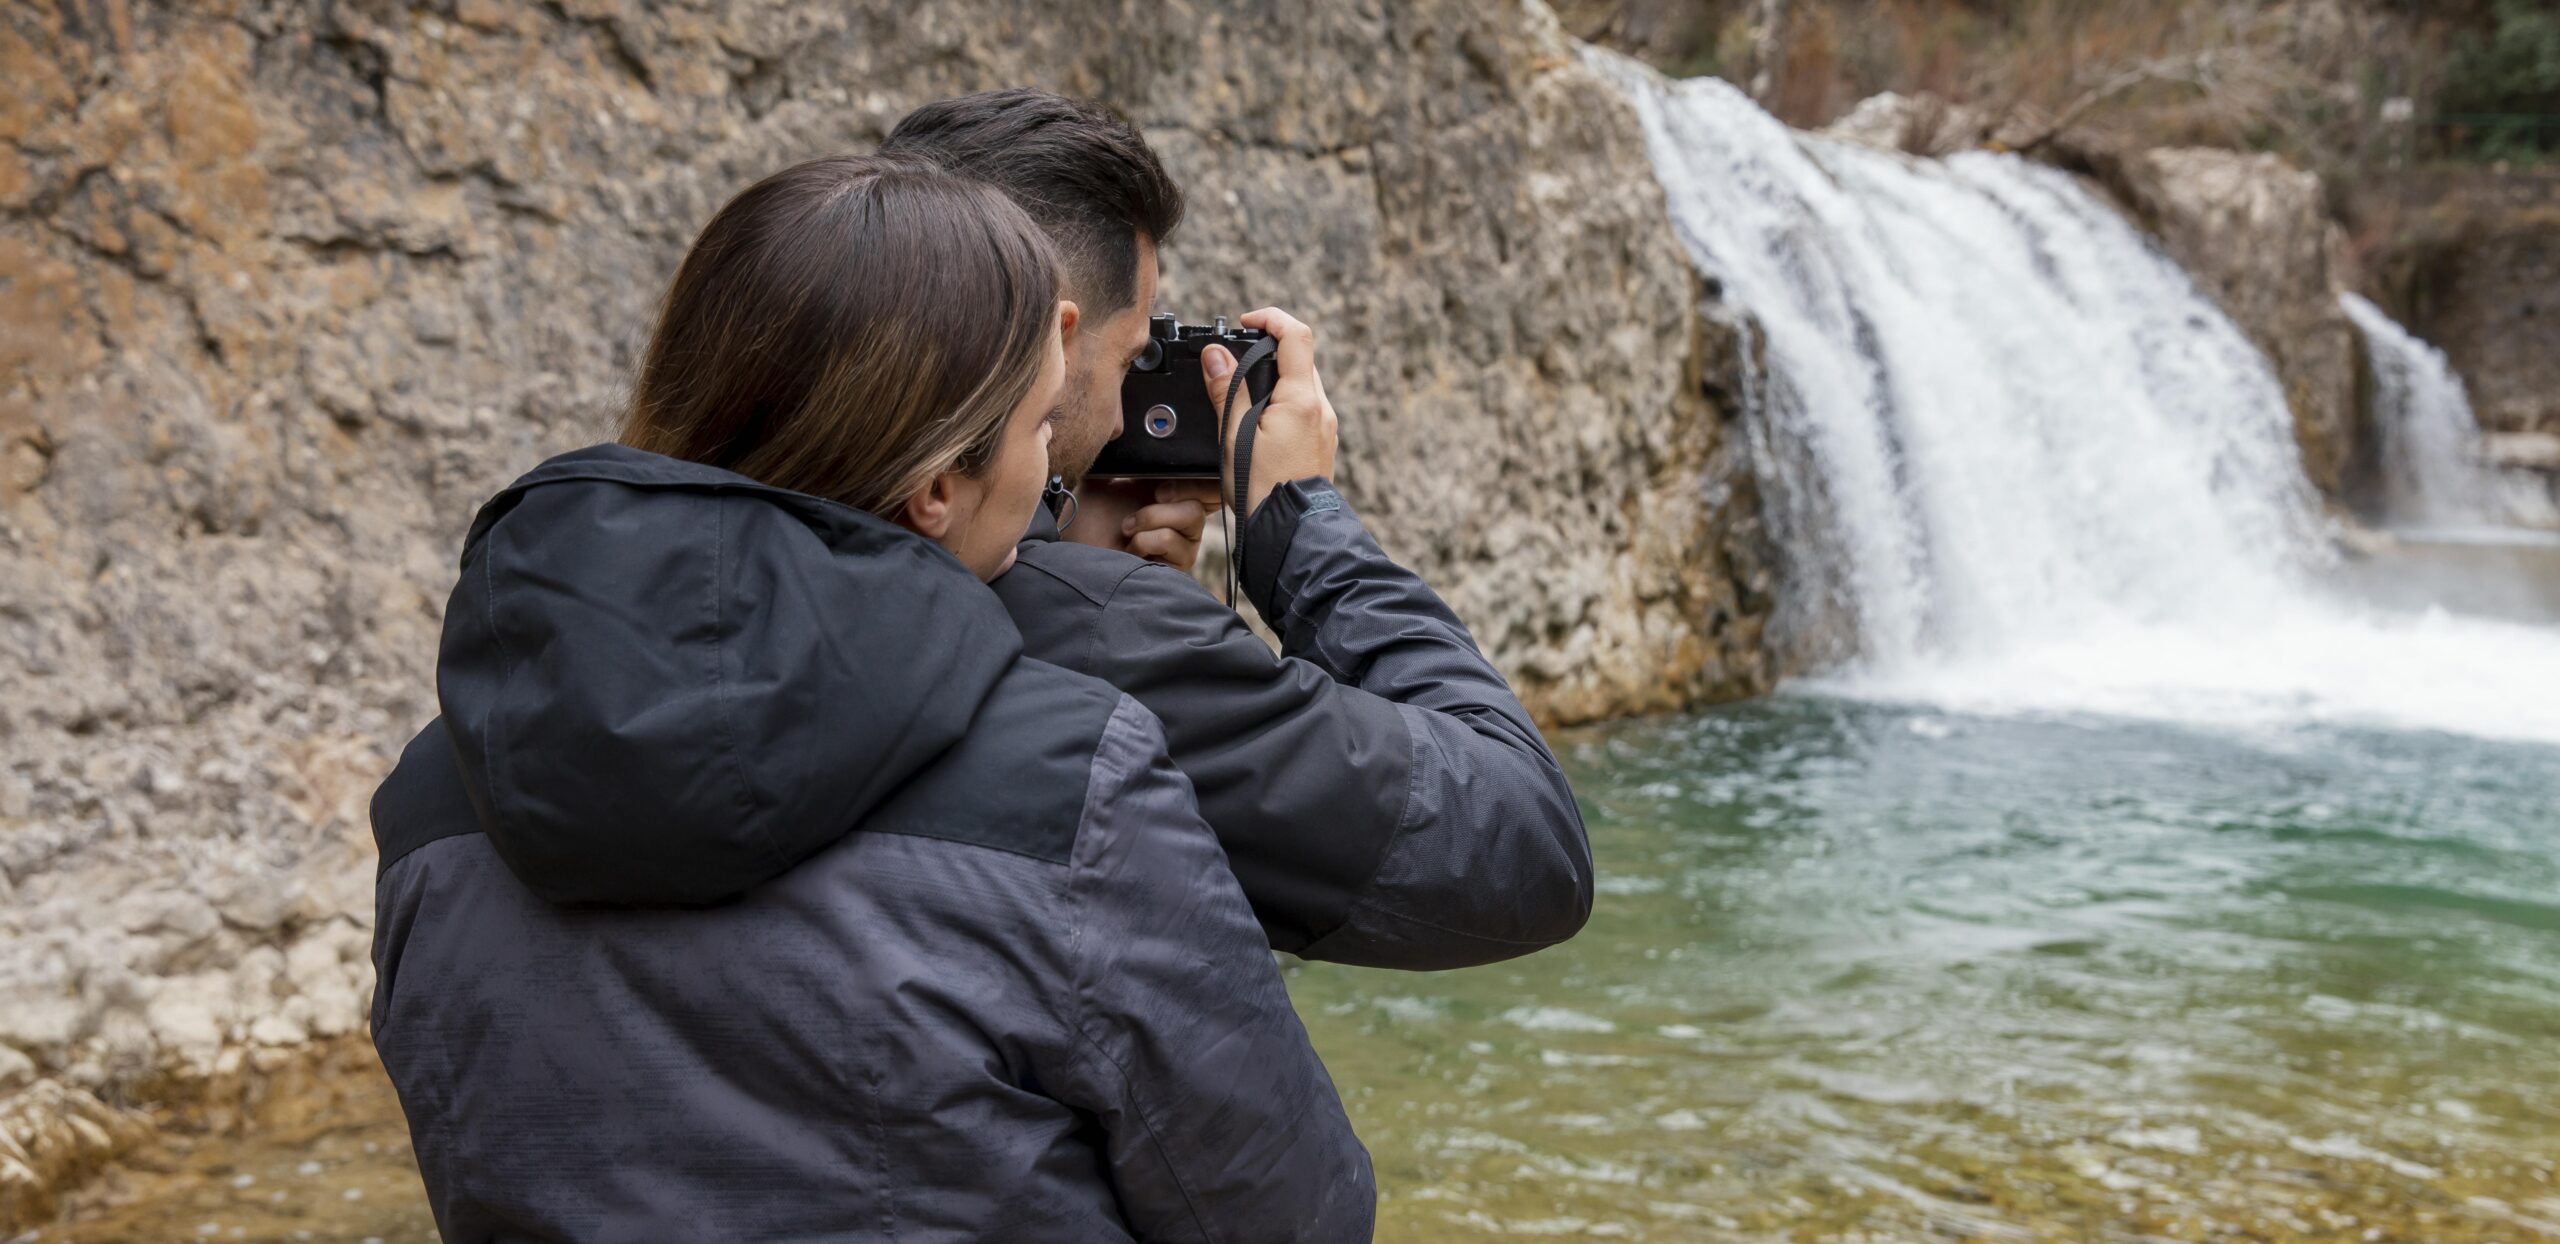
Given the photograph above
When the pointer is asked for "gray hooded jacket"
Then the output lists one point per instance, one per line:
(754, 886)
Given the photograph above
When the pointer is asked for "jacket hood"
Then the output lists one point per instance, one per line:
(668, 683)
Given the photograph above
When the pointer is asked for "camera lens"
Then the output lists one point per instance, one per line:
(1150, 358)
(1161, 421)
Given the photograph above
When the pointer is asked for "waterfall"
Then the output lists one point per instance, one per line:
(2022, 462)
(2432, 475)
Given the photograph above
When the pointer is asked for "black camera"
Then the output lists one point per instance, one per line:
(1168, 425)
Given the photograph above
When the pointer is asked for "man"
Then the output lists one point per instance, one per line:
(1380, 793)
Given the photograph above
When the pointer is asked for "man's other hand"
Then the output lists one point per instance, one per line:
(1160, 520)
(1297, 435)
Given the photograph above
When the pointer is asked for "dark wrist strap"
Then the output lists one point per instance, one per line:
(1243, 455)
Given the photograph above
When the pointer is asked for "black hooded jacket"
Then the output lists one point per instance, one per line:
(755, 886)
(1383, 796)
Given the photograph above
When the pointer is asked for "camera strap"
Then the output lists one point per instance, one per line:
(1260, 352)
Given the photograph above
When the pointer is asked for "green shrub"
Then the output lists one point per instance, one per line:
(2502, 86)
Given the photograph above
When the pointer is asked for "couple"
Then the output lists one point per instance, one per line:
(806, 853)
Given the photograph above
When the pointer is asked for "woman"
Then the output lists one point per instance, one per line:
(753, 886)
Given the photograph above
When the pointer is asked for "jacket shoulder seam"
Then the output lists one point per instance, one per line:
(1093, 634)
(1078, 948)
(973, 843)
(1075, 584)
(1102, 614)
(1121, 585)
(722, 710)
(383, 873)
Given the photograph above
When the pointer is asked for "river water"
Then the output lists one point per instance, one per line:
(1861, 967)
(1870, 966)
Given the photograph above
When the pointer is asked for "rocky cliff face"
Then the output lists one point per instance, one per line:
(287, 288)
(2469, 260)
(2491, 299)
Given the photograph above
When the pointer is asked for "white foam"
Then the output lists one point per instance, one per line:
(2033, 466)
(2428, 671)
(1556, 1019)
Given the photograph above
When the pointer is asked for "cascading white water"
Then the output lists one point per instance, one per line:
(2428, 435)
(2432, 474)
(2032, 466)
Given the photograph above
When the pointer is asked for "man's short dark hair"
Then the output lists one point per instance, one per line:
(1079, 168)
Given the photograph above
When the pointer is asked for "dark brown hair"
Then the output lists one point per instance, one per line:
(850, 328)
(1078, 167)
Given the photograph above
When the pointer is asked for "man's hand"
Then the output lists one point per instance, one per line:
(1296, 437)
(1160, 520)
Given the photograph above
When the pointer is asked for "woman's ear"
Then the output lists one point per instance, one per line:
(930, 511)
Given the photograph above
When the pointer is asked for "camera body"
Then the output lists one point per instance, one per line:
(1168, 424)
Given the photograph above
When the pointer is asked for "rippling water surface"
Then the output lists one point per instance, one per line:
(1866, 968)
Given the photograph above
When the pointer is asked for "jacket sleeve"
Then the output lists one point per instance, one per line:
(1381, 793)
(1489, 858)
(1221, 1123)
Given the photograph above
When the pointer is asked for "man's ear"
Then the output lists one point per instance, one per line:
(1068, 316)
(929, 511)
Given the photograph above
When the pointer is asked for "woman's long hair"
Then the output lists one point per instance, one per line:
(849, 327)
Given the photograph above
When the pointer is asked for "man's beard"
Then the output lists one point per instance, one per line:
(1070, 455)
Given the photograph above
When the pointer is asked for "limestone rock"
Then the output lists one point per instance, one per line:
(2523, 451)
(287, 289)
(1919, 124)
